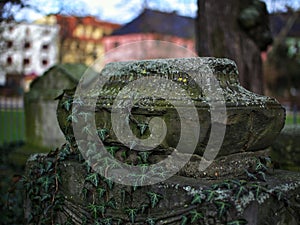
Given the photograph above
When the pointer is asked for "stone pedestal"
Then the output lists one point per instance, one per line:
(179, 200)
(238, 186)
(252, 121)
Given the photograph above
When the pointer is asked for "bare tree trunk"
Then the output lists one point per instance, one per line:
(220, 34)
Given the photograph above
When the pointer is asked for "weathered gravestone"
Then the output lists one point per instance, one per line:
(42, 129)
(238, 187)
(286, 148)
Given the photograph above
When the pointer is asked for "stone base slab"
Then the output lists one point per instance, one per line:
(178, 200)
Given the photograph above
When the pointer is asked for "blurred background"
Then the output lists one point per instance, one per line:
(46, 45)
(39, 37)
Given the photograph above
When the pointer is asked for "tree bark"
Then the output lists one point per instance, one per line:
(220, 34)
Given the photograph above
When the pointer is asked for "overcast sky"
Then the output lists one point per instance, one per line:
(121, 11)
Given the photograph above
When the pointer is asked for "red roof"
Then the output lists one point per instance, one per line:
(69, 23)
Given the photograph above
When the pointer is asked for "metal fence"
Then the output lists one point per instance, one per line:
(12, 120)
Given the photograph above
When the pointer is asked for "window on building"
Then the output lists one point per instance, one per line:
(116, 44)
(46, 32)
(98, 33)
(26, 61)
(79, 30)
(9, 44)
(27, 31)
(107, 31)
(89, 47)
(9, 60)
(73, 45)
(45, 62)
(27, 45)
(11, 28)
(45, 46)
(88, 31)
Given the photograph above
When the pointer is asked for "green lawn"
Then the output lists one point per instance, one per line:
(290, 119)
(12, 126)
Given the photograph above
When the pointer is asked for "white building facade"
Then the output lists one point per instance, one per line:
(27, 49)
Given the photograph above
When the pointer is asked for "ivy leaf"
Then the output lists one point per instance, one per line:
(101, 208)
(109, 183)
(144, 167)
(239, 182)
(86, 130)
(135, 184)
(112, 203)
(102, 133)
(119, 221)
(279, 194)
(258, 189)
(72, 118)
(241, 190)
(150, 221)
(123, 195)
(196, 215)
(64, 153)
(84, 220)
(226, 184)
(101, 192)
(41, 169)
(45, 182)
(87, 167)
(85, 115)
(45, 197)
(144, 207)
(49, 166)
(141, 179)
(145, 156)
(143, 127)
(67, 104)
(112, 149)
(197, 199)
(78, 101)
(237, 222)
(131, 212)
(262, 175)
(84, 192)
(162, 174)
(97, 222)
(132, 145)
(93, 178)
(184, 220)
(268, 159)
(154, 198)
(210, 194)
(107, 221)
(93, 209)
(260, 166)
(251, 176)
(222, 207)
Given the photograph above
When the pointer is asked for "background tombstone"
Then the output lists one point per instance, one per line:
(42, 129)
(286, 149)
